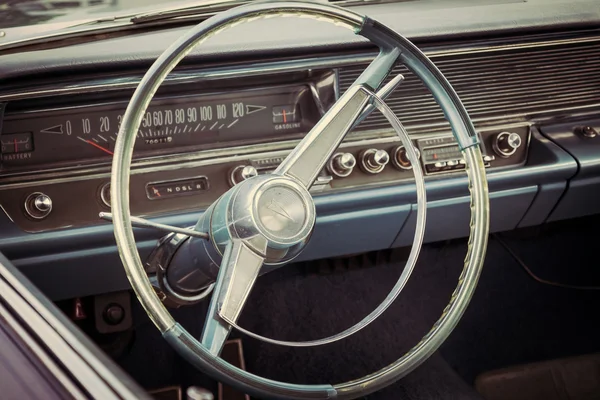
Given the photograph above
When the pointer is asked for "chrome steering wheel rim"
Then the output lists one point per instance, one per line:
(463, 130)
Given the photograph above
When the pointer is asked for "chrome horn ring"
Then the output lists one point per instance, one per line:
(345, 113)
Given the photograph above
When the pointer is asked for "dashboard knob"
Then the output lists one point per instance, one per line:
(400, 159)
(38, 205)
(341, 164)
(506, 144)
(241, 173)
(586, 131)
(373, 161)
(105, 194)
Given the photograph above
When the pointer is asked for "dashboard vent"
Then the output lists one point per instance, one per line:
(496, 86)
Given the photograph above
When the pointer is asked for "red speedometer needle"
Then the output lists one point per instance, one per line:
(99, 147)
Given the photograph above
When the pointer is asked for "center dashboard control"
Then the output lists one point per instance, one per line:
(241, 173)
(373, 161)
(38, 205)
(400, 159)
(505, 144)
(341, 164)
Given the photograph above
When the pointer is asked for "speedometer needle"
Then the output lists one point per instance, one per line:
(96, 145)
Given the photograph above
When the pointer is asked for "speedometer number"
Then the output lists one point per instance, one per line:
(157, 118)
(206, 113)
(192, 114)
(168, 117)
(179, 116)
(221, 111)
(86, 125)
(238, 110)
(147, 122)
(104, 124)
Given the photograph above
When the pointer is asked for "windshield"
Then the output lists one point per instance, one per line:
(19, 13)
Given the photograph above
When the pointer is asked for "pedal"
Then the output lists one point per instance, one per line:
(167, 393)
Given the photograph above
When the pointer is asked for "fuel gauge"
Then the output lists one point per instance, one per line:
(286, 114)
(17, 143)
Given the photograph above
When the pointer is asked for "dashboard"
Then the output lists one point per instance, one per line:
(182, 131)
(533, 95)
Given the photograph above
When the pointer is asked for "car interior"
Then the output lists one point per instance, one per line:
(334, 199)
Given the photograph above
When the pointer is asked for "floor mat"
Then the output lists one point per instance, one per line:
(515, 320)
(511, 320)
(575, 378)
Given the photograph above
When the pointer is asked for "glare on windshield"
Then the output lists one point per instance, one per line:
(15, 13)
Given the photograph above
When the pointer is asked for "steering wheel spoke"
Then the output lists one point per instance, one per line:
(306, 161)
(239, 269)
(144, 223)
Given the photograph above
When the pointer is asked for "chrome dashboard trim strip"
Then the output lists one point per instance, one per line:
(516, 46)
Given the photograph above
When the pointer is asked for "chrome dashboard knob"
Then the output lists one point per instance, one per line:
(505, 144)
(241, 173)
(373, 161)
(38, 205)
(341, 164)
(586, 131)
(400, 159)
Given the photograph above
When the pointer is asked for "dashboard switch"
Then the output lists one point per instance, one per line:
(114, 314)
(373, 161)
(505, 144)
(341, 164)
(400, 159)
(241, 173)
(38, 205)
(586, 131)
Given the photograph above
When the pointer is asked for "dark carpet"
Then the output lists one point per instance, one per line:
(512, 319)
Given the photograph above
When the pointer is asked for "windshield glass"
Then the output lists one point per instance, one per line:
(19, 13)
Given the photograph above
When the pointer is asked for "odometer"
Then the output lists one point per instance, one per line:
(89, 133)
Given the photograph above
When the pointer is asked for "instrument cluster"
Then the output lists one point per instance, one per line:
(182, 123)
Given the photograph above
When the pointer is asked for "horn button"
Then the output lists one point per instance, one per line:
(281, 212)
(273, 214)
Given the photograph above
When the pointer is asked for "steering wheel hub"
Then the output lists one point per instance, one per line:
(285, 212)
(273, 215)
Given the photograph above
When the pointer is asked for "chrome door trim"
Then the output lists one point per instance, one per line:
(90, 368)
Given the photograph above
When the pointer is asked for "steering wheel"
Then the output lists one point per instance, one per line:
(264, 222)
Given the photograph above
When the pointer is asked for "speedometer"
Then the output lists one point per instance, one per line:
(191, 121)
